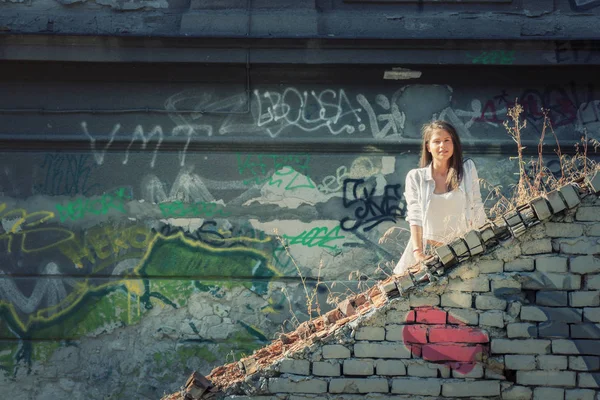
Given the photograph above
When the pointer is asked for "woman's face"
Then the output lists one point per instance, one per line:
(440, 145)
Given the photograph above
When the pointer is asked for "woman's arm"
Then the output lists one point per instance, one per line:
(416, 236)
(414, 213)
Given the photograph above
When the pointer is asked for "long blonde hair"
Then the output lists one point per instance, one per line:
(455, 171)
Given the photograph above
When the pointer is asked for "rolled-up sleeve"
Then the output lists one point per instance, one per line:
(414, 212)
(478, 216)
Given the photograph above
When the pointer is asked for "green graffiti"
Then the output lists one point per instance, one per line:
(79, 208)
(297, 181)
(258, 166)
(178, 209)
(502, 57)
(318, 236)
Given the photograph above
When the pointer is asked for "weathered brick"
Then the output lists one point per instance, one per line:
(520, 362)
(538, 246)
(552, 362)
(550, 281)
(593, 282)
(522, 330)
(505, 285)
(559, 314)
(456, 299)
(422, 369)
(296, 367)
(524, 346)
(417, 386)
(370, 333)
(463, 316)
(295, 385)
(544, 393)
(580, 394)
(457, 334)
(589, 380)
(494, 368)
(551, 264)
(452, 352)
(428, 315)
(551, 298)
(492, 318)
(578, 246)
(407, 333)
(358, 367)
(470, 389)
(585, 264)
(585, 331)
(584, 298)
(335, 351)
(589, 214)
(557, 229)
(468, 371)
(357, 385)
(490, 266)
(591, 314)
(547, 378)
(578, 347)
(400, 316)
(520, 264)
(584, 363)
(484, 302)
(479, 284)
(592, 230)
(420, 300)
(516, 392)
(390, 367)
(381, 350)
(553, 329)
(326, 368)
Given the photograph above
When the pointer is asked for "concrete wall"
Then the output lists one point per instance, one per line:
(143, 208)
(518, 19)
(520, 322)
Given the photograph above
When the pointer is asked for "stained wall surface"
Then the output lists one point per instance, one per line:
(161, 219)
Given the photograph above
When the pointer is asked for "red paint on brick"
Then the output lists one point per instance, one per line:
(453, 352)
(457, 334)
(416, 350)
(415, 334)
(428, 315)
(410, 317)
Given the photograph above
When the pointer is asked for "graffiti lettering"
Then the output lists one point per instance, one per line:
(395, 118)
(503, 57)
(369, 213)
(318, 236)
(178, 209)
(260, 166)
(22, 231)
(80, 207)
(104, 242)
(66, 175)
(138, 134)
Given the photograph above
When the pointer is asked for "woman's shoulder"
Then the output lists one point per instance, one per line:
(469, 164)
(417, 173)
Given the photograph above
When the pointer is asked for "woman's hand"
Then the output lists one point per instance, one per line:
(419, 255)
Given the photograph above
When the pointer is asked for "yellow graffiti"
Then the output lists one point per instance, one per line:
(105, 243)
(133, 283)
(25, 231)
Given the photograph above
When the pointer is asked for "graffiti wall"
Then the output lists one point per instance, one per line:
(164, 228)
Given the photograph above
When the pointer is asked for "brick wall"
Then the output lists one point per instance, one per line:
(520, 322)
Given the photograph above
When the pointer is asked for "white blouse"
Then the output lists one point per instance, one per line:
(445, 217)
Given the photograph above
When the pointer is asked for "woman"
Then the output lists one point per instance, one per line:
(443, 199)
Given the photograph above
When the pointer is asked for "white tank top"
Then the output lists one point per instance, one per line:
(445, 218)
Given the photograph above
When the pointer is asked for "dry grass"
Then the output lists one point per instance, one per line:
(535, 178)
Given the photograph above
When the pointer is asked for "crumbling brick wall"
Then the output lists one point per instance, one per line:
(519, 322)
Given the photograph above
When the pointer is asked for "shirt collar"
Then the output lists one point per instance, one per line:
(428, 176)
